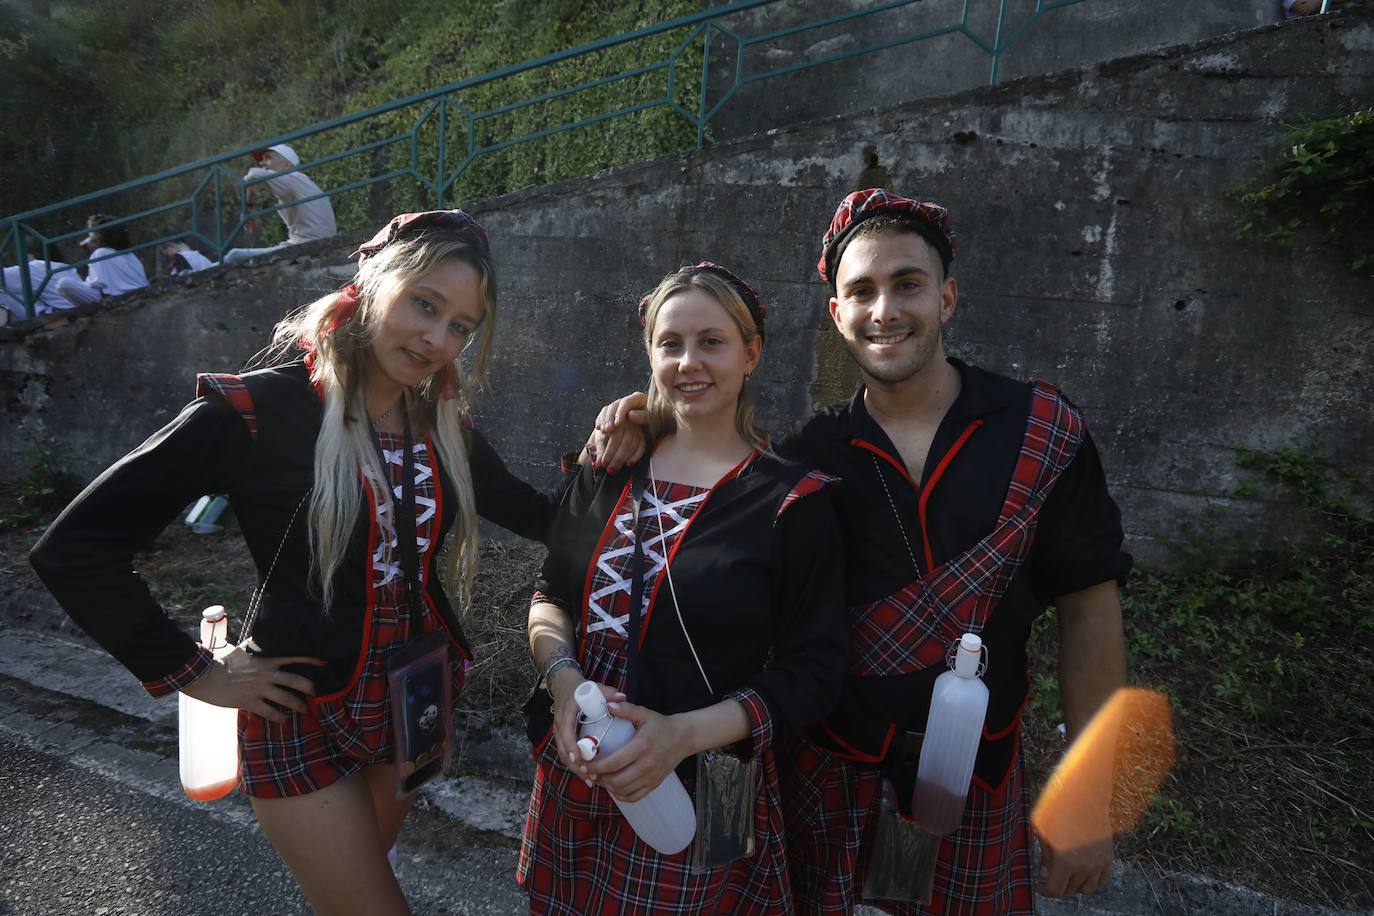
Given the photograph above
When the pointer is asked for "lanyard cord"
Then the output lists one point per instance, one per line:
(672, 590)
(251, 617)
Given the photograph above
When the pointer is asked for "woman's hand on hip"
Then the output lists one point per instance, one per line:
(659, 745)
(256, 683)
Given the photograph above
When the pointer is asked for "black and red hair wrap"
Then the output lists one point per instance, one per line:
(750, 296)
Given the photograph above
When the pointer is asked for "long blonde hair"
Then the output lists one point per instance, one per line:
(660, 412)
(344, 445)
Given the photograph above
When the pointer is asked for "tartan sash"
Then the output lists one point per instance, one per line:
(913, 628)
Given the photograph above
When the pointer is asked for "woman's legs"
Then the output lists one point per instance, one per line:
(335, 842)
(391, 811)
(77, 291)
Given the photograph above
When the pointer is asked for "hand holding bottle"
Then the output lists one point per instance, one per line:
(565, 709)
(660, 743)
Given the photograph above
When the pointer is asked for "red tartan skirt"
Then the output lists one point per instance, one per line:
(984, 867)
(344, 731)
(579, 856)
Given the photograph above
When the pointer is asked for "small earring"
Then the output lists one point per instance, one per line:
(748, 376)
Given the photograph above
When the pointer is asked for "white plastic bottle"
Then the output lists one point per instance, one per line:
(209, 734)
(665, 818)
(958, 706)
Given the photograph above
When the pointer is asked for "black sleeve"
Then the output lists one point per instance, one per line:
(1078, 537)
(560, 579)
(504, 498)
(85, 558)
(804, 678)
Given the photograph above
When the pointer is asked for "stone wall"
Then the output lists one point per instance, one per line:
(1097, 249)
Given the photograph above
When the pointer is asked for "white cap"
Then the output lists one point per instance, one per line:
(213, 612)
(587, 747)
(284, 151)
(591, 701)
(969, 656)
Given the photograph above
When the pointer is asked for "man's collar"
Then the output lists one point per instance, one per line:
(978, 397)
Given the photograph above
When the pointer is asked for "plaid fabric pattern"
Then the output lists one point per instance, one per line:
(912, 629)
(579, 856)
(813, 482)
(351, 728)
(198, 664)
(984, 867)
(663, 518)
(232, 389)
(860, 205)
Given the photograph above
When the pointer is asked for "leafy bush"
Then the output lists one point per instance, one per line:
(1323, 180)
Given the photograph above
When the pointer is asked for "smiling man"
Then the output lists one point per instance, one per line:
(971, 502)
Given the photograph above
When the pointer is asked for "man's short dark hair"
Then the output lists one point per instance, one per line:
(884, 224)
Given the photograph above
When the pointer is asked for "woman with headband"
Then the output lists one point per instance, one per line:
(738, 638)
(346, 532)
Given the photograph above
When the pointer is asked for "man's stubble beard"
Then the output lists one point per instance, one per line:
(926, 346)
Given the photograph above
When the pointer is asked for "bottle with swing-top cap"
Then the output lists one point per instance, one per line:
(665, 818)
(958, 706)
(208, 736)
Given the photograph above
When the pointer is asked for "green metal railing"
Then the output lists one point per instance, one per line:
(210, 201)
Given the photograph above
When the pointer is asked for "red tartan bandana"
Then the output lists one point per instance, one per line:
(409, 224)
(930, 219)
(757, 310)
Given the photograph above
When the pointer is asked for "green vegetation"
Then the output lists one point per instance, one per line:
(1266, 661)
(115, 91)
(1323, 180)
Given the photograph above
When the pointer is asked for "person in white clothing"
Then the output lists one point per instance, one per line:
(305, 222)
(49, 299)
(183, 259)
(113, 270)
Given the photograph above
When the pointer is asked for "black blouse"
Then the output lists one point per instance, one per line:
(86, 556)
(758, 581)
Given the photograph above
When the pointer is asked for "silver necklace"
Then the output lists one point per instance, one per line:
(384, 414)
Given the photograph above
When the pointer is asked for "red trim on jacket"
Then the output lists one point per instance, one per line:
(930, 487)
(372, 532)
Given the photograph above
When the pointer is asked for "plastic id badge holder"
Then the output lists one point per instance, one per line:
(727, 787)
(902, 866)
(421, 710)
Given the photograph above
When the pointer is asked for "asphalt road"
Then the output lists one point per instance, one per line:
(77, 842)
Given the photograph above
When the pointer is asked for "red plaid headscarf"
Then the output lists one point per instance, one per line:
(928, 218)
(408, 224)
(405, 225)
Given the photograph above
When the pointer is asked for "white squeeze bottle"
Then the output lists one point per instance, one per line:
(665, 818)
(209, 734)
(958, 706)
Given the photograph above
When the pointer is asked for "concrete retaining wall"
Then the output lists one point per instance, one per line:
(1097, 249)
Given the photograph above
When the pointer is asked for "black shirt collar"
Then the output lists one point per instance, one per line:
(979, 396)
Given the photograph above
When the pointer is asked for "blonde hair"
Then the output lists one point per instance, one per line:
(344, 446)
(660, 412)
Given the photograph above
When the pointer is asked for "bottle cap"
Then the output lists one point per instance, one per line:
(590, 700)
(587, 747)
(969, 656)
(213, 613)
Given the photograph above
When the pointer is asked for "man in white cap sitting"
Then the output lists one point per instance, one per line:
(305, 222)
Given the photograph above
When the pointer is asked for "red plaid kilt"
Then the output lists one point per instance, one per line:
(579, 856)
(342, 732)
(984, 867)
(347, 730)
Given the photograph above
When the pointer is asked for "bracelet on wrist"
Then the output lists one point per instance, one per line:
(560, 662)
